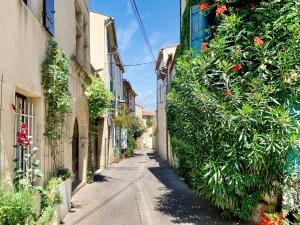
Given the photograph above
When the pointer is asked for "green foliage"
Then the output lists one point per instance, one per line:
(99, 98)
(17, 207)
(291, 193)
(232, 131)
(125, 119)
(51, 196)
(149, 123)
(131, 144)
(65, 174)
(90, 172)
(55, 81)
(185, 27)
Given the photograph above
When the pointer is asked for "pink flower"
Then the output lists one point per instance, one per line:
(24, 128)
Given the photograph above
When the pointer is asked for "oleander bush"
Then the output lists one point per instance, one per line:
(233, 109)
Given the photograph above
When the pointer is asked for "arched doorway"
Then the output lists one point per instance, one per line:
(75, 155)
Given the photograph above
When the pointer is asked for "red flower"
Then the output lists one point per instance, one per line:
(24, 128)
(253, 7)
(237, 68)
(281, 216)
(203, 6)
(204, 46)
(228, 93)
(221, 9)
(258, 41)
(265, 217)
(23, 135)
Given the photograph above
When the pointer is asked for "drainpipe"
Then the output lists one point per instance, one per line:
(107, 74)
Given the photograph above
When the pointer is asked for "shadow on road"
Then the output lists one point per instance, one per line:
(180, 203)
(99, 178)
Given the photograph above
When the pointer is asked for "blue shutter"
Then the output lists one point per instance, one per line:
(198, 26)
(49, 16)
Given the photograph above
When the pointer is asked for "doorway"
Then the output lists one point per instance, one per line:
(75, 155)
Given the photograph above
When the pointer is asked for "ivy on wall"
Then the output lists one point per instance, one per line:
(185, 27)
(55, 81)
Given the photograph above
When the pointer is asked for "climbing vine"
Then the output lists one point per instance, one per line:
(99, 100)
(55, 81)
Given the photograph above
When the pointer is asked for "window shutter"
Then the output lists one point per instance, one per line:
(49, 16)
(198, 26)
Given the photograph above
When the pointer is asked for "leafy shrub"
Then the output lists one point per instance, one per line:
(51, 196)
(98, 96)
(149, 123)
(131, 144)
(230, 108)
(17, 207)
(65, 174)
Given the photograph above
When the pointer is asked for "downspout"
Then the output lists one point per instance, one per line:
(167, 138)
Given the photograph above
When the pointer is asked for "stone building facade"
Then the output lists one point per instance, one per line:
(106, 63)
(165, 73)
(26, 29)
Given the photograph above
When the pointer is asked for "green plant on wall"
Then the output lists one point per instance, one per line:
(99, 100)
(134, 126)
(55, 81)
(229, 108)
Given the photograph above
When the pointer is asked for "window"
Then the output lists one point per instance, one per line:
(24, 114)
(49, 16)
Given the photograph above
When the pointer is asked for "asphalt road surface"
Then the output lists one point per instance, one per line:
(141, 190)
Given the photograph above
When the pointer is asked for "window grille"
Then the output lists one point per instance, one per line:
(25, 115)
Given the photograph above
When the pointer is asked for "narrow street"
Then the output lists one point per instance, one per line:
(141, 190)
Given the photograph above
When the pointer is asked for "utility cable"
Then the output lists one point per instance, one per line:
(142, 28)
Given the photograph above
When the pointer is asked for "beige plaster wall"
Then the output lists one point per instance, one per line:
(23, 43)
(98, 57)
(162, 136)
(97, 42)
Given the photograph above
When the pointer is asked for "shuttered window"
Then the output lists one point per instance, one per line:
(49, 16)
(198, 26)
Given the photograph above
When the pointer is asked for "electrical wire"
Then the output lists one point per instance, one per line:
(137, 64)
(142, 28)
(140, 64)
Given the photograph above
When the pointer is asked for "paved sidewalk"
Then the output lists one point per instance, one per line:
(141, 190)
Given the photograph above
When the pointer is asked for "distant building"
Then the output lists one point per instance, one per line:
(165, 74)
(148, 118)
(106, 64)
(139, 114)
(129, 95)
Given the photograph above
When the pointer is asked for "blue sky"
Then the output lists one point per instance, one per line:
(161, 22)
